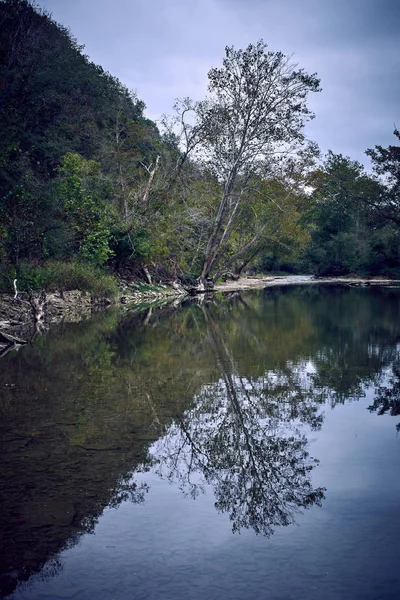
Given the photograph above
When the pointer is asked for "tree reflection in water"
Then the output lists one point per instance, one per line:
(243, 381)
(387, 399)
(244, 438)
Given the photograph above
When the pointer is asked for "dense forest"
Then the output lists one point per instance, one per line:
(91, 188)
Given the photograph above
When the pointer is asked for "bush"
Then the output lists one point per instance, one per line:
(54, 276)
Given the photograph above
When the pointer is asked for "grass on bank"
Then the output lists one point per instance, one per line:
(55, 276)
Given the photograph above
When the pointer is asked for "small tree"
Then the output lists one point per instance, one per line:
(252, 120)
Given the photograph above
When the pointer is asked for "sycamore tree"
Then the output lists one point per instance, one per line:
(251, 122)
(269, 216)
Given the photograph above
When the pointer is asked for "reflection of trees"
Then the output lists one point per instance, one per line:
(353, 346)
(126, 490)
(387, 398)
(244, 438)
(242, 380)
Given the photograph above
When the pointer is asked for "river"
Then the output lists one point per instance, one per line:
(243, 446)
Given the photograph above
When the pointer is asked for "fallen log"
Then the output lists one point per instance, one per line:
(6, 349)
(11, 339)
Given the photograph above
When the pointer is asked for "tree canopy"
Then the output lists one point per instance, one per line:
(222, 186)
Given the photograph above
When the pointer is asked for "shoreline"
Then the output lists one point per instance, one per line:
(17, 319)
(250, 283)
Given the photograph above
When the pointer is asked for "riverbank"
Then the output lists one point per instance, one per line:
(17, 318)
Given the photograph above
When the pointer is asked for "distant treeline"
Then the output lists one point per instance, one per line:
(89, 186)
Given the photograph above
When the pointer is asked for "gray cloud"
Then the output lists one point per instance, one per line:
(163, 49)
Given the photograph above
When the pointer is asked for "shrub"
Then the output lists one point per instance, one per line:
(54, 275)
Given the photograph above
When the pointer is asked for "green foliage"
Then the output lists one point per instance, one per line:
(84, 207)
(21, 238)
(383, 256)
(60, 162)
(344, 230)
(86, 178)
(339, 256)
(75, 275)
(141, 244)
(54, 276)
(257, 106)
(386, 163)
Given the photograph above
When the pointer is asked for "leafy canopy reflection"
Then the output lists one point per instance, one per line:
(244, 438)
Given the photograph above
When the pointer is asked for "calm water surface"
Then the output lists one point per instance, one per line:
(246, 447)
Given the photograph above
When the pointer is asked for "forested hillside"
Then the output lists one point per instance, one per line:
(89, 187)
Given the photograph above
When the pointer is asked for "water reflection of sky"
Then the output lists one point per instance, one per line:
(176, 547)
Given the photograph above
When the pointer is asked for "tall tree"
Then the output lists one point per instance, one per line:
(252, 120)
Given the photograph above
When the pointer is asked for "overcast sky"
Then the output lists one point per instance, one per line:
(163, 49)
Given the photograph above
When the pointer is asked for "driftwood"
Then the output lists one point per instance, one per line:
(11, 343)
(38, 301)
(11, 339)
(178, 288)
(8, 349)
(147, 275)
(202, 287)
